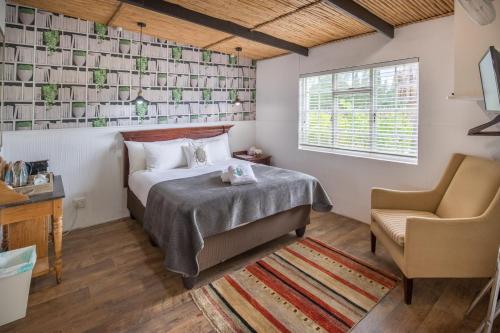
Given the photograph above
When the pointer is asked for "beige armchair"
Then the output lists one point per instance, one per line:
(450, 231)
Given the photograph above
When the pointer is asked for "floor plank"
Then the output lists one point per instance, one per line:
(114, 281)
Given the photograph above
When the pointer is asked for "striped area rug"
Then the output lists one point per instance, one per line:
(307, 286)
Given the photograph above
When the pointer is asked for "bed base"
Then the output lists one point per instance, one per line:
(223, 246)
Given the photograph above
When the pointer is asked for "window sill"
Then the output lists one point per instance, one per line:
(359, 154)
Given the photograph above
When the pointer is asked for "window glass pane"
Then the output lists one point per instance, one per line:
(358, 79)
(316, 110)
(352, 121)
(396, 103)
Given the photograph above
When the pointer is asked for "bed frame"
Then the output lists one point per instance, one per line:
(226, 245)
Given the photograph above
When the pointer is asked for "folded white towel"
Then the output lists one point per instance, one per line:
(225, 177)
(241, 175)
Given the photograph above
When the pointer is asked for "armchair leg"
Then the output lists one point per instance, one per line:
(407, 289)
(373, 242)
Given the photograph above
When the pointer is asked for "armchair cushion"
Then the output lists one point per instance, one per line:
(393, 221)
(472, 188)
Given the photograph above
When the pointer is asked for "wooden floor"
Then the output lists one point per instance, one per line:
(114, 281)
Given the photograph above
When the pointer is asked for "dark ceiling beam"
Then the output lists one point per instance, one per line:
(232, 28)
(359, 12)
(115, 15)
(260, 25)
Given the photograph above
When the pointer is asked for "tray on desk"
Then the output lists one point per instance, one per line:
(31, 189)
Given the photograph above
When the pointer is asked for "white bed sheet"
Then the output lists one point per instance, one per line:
(140, 182)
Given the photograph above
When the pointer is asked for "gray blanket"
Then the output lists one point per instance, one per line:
(181, 212)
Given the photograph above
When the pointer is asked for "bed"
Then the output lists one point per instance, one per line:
(221, 246)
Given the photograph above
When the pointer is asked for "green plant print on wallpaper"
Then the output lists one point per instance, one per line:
(140, 111)
(232, 95)
(23, 125)
(207, 95)
(49, 94)
(51, 40)
(206, 56)
(99, 122)
(176, 53)
(177, 95)
(101, 30)
(142, 64)
(100, 78)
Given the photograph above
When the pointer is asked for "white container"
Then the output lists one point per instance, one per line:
(124, 95)
(24, 74)
(124, 48)
(16, 267)
(162, 80)
(78, 60)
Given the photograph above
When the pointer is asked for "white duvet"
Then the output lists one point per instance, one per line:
(140, 182)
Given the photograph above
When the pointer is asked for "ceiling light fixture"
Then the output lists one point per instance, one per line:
(140, 98)
(480, 11)
(237, 101)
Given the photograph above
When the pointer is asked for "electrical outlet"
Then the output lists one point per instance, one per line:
(80, 202)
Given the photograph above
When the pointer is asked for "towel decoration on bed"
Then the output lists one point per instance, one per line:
(196, 155)
(239, 175)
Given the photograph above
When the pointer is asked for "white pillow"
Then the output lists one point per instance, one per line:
(196, 155)
(165, 155)
(217, 148)
(136, 156)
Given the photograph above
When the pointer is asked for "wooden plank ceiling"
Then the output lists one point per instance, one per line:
(305, 22)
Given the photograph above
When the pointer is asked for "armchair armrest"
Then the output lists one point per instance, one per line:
(408, 200)
(458, 247)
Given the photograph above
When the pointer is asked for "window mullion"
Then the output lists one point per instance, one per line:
(332, 118)
(373, 114)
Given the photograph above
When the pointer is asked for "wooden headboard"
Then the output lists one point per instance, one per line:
(165, 134)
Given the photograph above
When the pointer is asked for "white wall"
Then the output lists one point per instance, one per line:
(443, 123)
(90, 162)
(471, 42)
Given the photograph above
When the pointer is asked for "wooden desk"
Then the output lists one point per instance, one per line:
(20, 221)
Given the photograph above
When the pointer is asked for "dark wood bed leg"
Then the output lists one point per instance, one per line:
(300, 232)
(152, 241)
(407, 289)
(373, 242)
(189, 281)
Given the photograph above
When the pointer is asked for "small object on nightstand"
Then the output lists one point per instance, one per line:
(259, 159)
(254, 151)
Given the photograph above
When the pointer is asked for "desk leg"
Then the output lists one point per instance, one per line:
(57, 227)
(5, 237)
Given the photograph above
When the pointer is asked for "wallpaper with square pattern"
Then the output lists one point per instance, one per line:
(64, 72)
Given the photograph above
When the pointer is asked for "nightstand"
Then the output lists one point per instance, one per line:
(261, 159)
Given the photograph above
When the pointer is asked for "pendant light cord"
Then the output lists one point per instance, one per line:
(140, 61)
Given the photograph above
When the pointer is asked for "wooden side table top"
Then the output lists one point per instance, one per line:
(261, 159)
(58, 193)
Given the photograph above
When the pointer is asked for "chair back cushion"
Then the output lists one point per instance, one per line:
(471, 190)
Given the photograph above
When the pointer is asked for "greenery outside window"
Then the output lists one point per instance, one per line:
(369, 111)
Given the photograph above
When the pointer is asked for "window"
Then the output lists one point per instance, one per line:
(369, 111)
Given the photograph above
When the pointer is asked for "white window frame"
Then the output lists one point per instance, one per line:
(357, 153)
